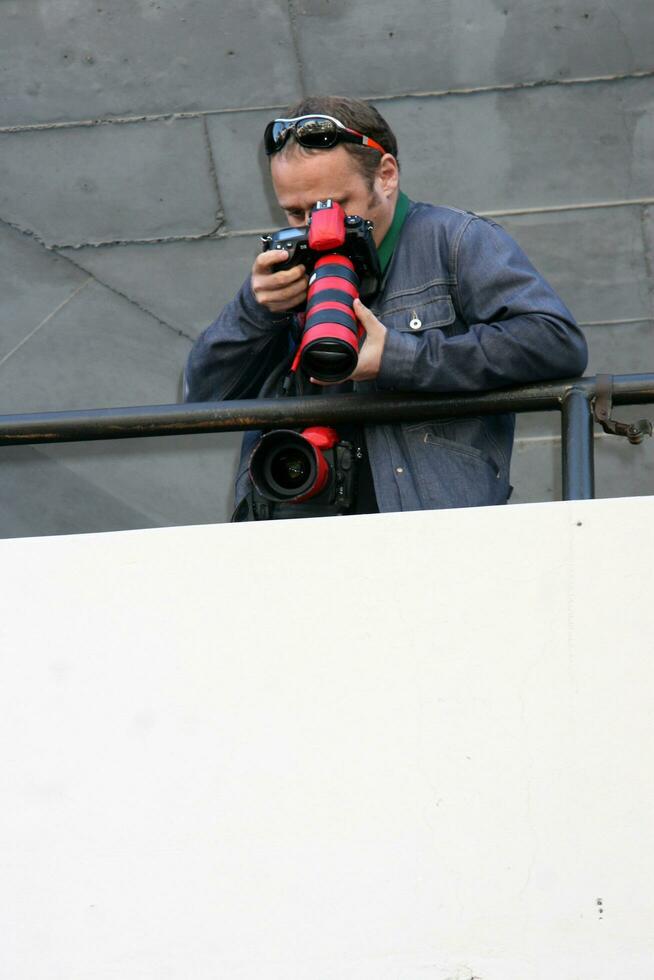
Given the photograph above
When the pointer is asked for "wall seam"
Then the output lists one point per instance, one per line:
(432, 94)
(55, 246)
(577, 206)
(597, 437)
(616, 323)
(222, 234)
(648, 245)
(295, 41)
(507, 213)
(220, 211)
(513, 86)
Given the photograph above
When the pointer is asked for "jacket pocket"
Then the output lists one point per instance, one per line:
(418, 310)
(451, 471)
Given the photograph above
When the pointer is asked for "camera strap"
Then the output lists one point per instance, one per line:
(291, 377)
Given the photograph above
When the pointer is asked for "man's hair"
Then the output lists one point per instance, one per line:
(354, 114)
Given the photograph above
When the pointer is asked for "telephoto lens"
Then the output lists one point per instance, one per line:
(330, 343)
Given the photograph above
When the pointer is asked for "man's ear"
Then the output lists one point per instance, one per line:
(388, 174)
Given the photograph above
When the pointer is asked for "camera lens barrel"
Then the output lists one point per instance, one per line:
(329, 348)
(286, 468)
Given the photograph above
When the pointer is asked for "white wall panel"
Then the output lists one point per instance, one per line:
(400, 746)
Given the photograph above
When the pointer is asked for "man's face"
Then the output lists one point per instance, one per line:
(300, 179)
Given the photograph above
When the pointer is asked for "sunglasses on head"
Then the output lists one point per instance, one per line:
(315, 132)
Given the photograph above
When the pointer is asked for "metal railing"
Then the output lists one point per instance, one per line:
(581, 402)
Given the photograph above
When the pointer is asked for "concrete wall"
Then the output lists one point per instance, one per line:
(202, 781)
(132, 189)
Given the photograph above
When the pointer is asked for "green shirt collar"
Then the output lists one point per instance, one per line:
(387, 247)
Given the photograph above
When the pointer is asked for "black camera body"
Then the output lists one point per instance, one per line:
(337, 498)
(358, 246)
(340, 256)
(312, 473)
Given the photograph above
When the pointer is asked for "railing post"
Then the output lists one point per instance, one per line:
(578, 462)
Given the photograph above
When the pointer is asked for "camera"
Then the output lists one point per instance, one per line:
(340, 257)
(313, 467)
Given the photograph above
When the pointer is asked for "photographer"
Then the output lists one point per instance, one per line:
(460, 309)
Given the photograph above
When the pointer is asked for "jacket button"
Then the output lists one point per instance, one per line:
(399, 469)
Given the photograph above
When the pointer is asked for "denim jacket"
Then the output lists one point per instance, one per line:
(465, 311)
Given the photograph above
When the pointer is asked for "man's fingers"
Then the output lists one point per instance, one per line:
(365, 316)
(266, 263)
(280, 300)
(283, 294)
(278, 291)
(267, 260)
(281, 280)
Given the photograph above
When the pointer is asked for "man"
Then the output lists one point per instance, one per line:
(460, 309)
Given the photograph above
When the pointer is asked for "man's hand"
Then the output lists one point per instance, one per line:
(372, 348)
(278, 291)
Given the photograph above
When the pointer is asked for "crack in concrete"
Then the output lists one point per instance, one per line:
(295, 42)
(29, 233)
(134, 302)
(648, 249)
(212, 235)
(45, 320)
(381, 97)
(213, 173)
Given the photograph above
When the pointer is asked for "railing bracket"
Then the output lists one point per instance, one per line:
(635, 432)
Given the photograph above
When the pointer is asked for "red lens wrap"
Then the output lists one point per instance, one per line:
(322, 476)
(327, 228)
(332, 282)
(321, 436)
(330, 305)
(335, 260)
(330, 320)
